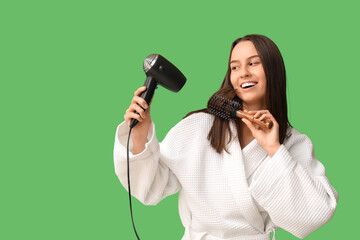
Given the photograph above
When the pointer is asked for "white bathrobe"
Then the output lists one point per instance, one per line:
(240, 195)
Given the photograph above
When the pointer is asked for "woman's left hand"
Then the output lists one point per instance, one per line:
(267, 138)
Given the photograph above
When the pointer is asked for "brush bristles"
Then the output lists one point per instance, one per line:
(223, 107)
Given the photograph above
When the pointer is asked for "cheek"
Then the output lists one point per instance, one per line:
(233, 83)
(262, 76)
(264, 86)
(233, 79)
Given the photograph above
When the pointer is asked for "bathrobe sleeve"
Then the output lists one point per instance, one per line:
(151, 180)
(293, 188)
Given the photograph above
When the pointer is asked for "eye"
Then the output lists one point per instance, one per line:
(252, 63)
(234, 67)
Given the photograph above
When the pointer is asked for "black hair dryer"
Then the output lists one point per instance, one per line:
(159, 71)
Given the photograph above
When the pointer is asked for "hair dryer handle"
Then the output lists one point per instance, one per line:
(147, 95)
(150, 84)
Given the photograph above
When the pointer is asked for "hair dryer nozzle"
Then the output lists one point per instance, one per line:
(149, 62)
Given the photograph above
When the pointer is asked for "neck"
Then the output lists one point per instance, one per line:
(245, 131)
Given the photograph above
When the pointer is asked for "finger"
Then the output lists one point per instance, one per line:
(268, 117)
(250, 112)
(264, 116)
(140, 101)
(134, 116)
(138, 109)
(267, 114)
(129, 117)
(258, 114)
(261, 112)
(140, 90)
(134, 108)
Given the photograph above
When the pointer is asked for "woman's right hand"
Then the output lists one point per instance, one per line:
(140, 131)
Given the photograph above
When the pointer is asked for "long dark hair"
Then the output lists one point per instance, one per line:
(274, 69)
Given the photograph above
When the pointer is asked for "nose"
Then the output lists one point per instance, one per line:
(244, 72)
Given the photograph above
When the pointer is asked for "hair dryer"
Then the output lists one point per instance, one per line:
(159, 71)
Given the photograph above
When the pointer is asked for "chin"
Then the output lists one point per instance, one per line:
(250, 100)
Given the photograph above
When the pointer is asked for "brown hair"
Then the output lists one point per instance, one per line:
(274, 69)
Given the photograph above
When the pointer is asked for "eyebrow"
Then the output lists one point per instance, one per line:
(247, 58)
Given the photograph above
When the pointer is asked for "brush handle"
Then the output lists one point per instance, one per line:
(251, 118)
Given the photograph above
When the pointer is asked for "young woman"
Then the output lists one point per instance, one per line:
(236, 179)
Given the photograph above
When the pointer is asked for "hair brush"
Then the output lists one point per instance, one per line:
(230, 110)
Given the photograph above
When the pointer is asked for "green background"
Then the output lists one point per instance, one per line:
(68, 71)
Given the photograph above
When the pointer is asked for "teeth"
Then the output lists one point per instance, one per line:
(246, 85)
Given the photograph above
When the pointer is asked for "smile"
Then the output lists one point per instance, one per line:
(248, 85)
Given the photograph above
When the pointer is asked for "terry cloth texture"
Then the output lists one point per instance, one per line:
(240, 195)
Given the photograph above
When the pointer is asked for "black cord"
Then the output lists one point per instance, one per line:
(128, 175)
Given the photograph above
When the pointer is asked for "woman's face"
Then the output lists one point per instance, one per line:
(247, 75)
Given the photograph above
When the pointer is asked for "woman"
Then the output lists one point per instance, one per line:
(236, 179)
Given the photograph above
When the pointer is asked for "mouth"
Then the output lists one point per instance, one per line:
(248, 85)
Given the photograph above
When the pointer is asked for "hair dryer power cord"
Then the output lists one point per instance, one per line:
(128, 176)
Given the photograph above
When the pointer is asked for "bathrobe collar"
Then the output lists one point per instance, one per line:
(240, 165)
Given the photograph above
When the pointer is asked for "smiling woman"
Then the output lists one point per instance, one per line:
(237, 180)
(253, 59)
